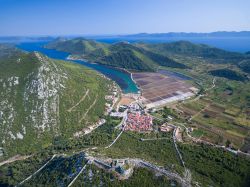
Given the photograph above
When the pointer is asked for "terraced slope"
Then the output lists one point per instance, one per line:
(42, 98)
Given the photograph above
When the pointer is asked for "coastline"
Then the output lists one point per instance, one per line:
(139, 90)
(70, 57)
(131, 76)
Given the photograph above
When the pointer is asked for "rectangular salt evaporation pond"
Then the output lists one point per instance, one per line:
(161, 88)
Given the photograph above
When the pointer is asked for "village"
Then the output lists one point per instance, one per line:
(136, 117)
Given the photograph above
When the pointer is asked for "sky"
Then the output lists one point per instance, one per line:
(104, 17)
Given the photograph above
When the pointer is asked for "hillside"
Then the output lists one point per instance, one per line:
(42, 98)
(122, 54)
(229, 74)
(245, 66)
(190, 49)
(8, 50)
(78, 46)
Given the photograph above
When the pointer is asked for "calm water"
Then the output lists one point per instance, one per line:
(123, 79)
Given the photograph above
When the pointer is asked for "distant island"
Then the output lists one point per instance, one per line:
(192, 34)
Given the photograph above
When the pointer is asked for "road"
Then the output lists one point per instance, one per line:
(14, 158)
(142, 163)
(28, 178)
(187, 173)
(213, 85)
(123, 119)
(153, 139)
(115, 139)
(201, 95)
(197, 140)
(176, 148)
(72, 182)
(171, 175)
(124, 125)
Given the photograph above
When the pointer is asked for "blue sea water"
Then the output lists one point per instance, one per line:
(123, 79)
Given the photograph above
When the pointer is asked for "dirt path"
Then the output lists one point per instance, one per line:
(14, 158)
(72, 182)
(201, 95)
(84, 115)
(28, 178)
(213, 85)
(199, 140)
(199, 112)
(176, 148)
(153, 139)
(81, 100)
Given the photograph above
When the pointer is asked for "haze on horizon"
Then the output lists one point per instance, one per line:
(97, 17)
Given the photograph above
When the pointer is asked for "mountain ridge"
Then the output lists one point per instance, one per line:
(121, 54)
(36, 94)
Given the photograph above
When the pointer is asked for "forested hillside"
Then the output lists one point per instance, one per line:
(190, 49)
(42, 98)
(122, 54)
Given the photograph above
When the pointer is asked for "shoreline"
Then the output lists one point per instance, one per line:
(69, 57)
(131, 76)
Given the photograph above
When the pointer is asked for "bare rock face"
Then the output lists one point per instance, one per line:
(43, 100)
(42, 91)
(39, 91)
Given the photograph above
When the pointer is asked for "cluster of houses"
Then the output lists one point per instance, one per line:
(167, 127)
(139, 122)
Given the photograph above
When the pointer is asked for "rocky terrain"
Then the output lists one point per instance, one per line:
(37, 93)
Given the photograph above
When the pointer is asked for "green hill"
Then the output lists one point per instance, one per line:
(122, 54)
(8, 50)
(245, 66)
(229, 74)
(190, 49)
(80, 46)
(42, 98)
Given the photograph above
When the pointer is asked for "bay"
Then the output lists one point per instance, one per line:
(123, 79)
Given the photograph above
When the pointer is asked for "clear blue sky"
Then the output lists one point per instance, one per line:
(95, 17)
